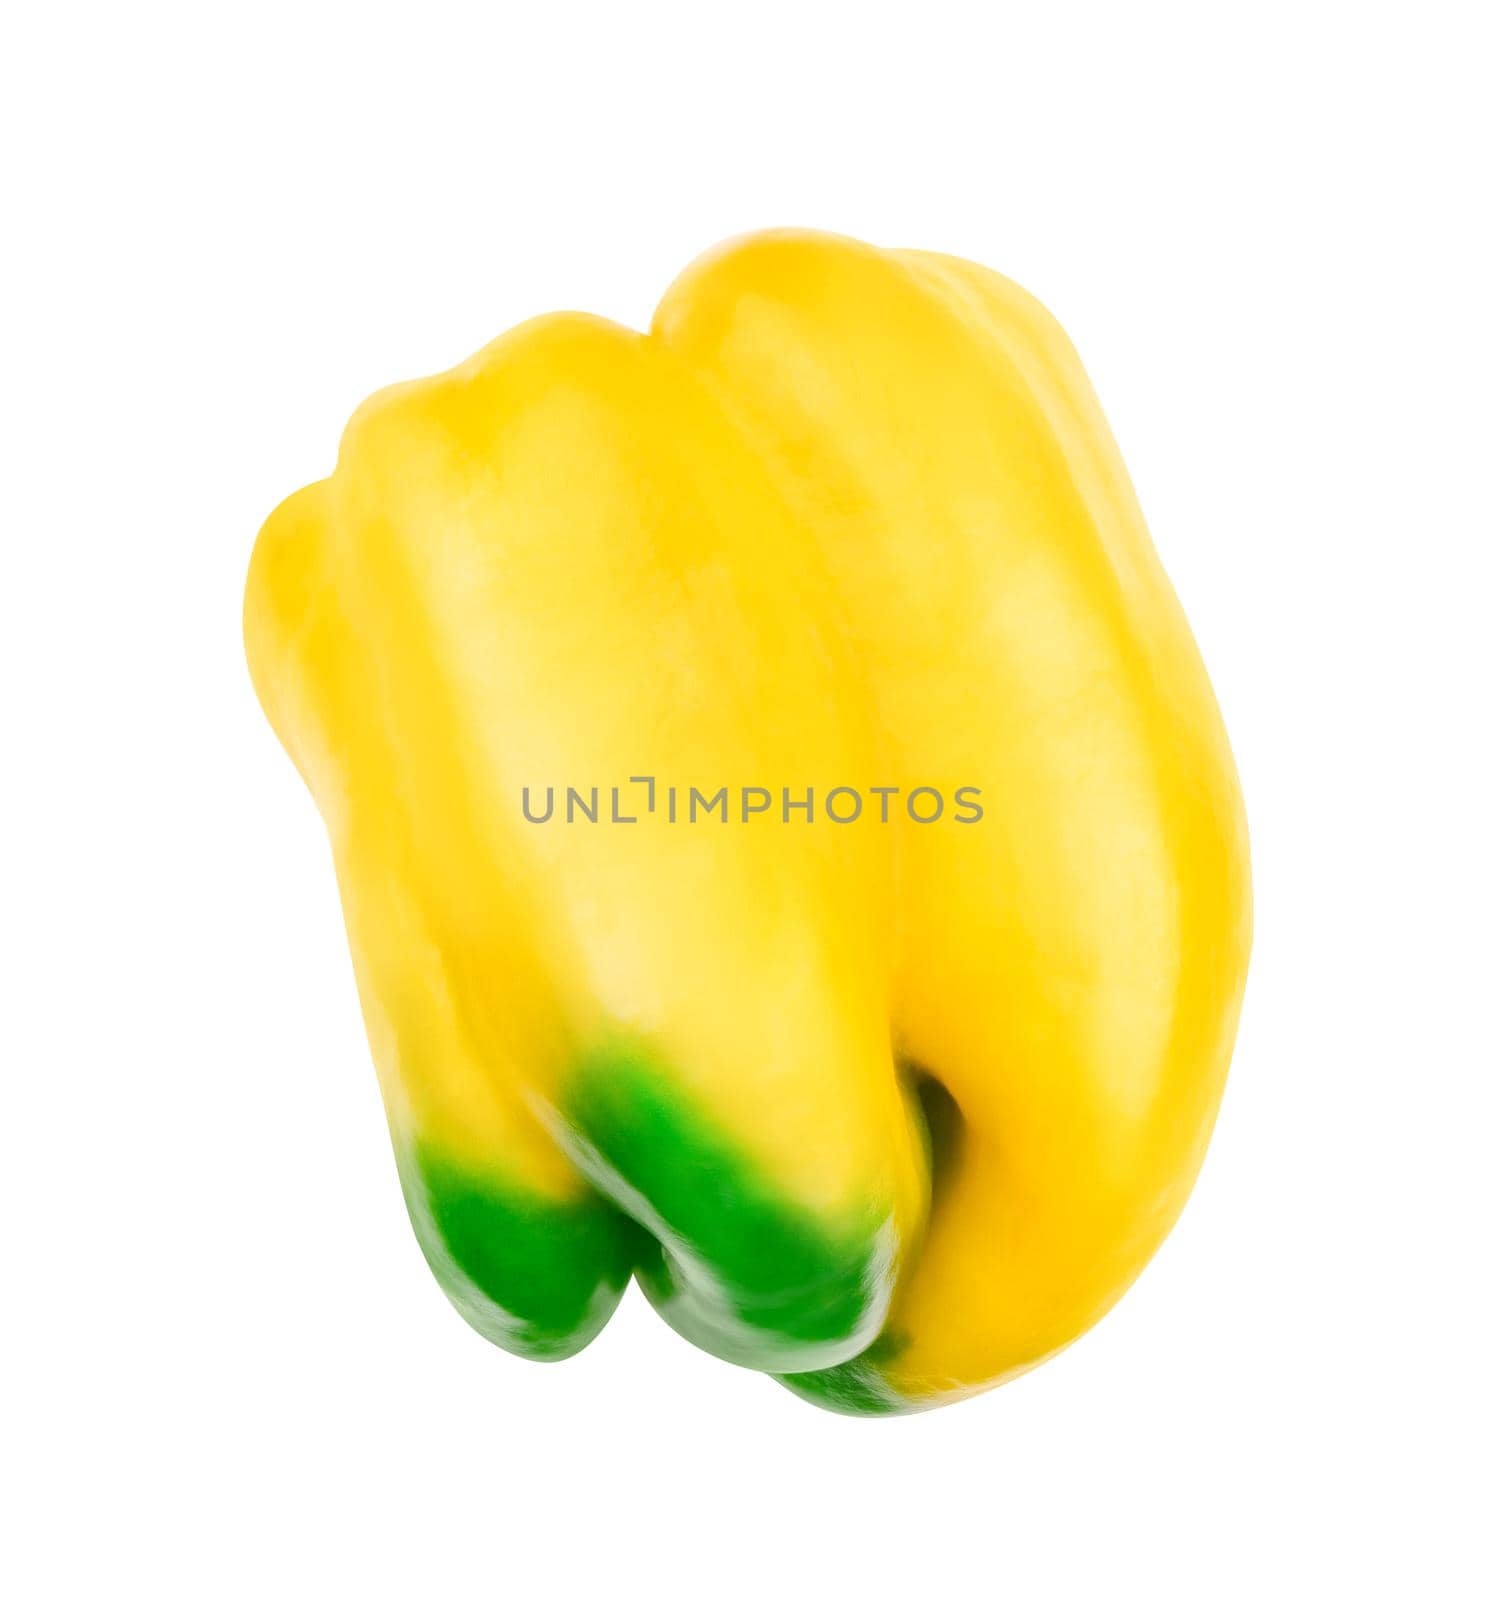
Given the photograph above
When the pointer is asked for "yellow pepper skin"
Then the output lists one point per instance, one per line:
(893, 1109)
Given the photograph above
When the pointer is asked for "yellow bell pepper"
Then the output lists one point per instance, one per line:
(789, 846)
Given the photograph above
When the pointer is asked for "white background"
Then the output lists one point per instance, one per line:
(225, 1368)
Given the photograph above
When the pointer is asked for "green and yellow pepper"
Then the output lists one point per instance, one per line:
(790, 850)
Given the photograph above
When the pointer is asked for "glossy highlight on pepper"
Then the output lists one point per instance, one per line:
(893, 1110)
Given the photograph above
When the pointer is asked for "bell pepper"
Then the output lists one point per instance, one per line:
(790, 850)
